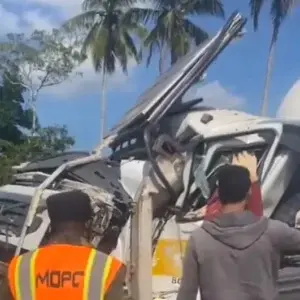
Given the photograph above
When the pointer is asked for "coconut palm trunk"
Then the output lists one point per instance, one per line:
(279, 11)
(34, 119)
(109, 42)
(270, 64)
(33, 101)
(163, 57)
(161, 64)
(103, 107)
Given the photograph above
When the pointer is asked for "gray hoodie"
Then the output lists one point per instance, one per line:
(236, 256)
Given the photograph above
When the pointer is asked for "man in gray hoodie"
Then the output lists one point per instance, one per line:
(236, 255)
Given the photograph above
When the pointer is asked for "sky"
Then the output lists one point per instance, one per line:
(235, 80)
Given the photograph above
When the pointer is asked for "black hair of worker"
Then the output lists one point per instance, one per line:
(234, 184)
(69, 206)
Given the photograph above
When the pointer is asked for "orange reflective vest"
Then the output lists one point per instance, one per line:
(62, 272)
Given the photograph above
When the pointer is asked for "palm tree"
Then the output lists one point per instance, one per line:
(110, 33)
(279, 10)
(174, 32)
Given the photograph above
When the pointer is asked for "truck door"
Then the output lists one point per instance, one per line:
(289, 205)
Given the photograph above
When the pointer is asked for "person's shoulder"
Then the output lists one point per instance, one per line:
(103, 255)
(15, 258)
(198, 233)
(275, 225)
(278, 228)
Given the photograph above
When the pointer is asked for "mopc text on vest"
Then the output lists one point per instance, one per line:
(59, 279)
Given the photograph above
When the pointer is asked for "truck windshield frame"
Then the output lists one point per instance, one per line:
(212, 159)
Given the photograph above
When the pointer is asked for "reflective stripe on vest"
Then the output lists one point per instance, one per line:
(97, 276)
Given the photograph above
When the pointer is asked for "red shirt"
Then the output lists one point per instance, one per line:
(255, 204)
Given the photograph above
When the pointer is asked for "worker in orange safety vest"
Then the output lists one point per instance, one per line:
(68, 267)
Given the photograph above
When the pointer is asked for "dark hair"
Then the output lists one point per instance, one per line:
(234, 184)
(69, 206)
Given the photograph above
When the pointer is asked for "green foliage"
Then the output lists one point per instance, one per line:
(42, 60)
(174, 32)
(110, 33)
(279, 10)
(48, 141)
(113, 30)
(15, 120)
(14, 117)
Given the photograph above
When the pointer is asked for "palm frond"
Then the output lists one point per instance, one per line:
(255, 9)
(280, 9)
(153, 46)
(142, 14)
(152, 43)
(97, 47)
(130, 45)
(131, 23)
(90, 38)
(195, 33)
(209, 7)
(179, 45)
(111, 29)
(92, 5)
(97, 61)
(140, 31)
(113, 49)
(126, 3)
(122, 55)
(152, 36)
(83, 21)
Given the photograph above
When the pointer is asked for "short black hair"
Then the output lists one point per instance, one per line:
(74, 206)
(234, 184)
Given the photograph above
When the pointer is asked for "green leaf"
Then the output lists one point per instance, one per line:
(255, 9)
(173, 27)
(113, 30)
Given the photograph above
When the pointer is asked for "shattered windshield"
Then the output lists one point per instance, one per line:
(205, 168)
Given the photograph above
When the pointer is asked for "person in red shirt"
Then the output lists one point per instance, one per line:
(255, 205)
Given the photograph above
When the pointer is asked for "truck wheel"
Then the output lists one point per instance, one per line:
(286, 212)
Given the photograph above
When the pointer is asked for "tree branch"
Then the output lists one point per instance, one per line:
(16, 83)
(42, 84)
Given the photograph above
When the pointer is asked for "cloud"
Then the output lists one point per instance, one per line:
(10, 22)
(71, 7)
(88, 82)
(215, 95)
(42, 19)
(289, 106)
(66, 8)
(35, 20)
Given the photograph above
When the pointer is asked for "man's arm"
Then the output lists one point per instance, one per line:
(189, 282)
(5, 293)
(255, 204)
(249, 161)
(286, 239)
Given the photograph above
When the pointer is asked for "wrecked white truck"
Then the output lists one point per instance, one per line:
(182, 145)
